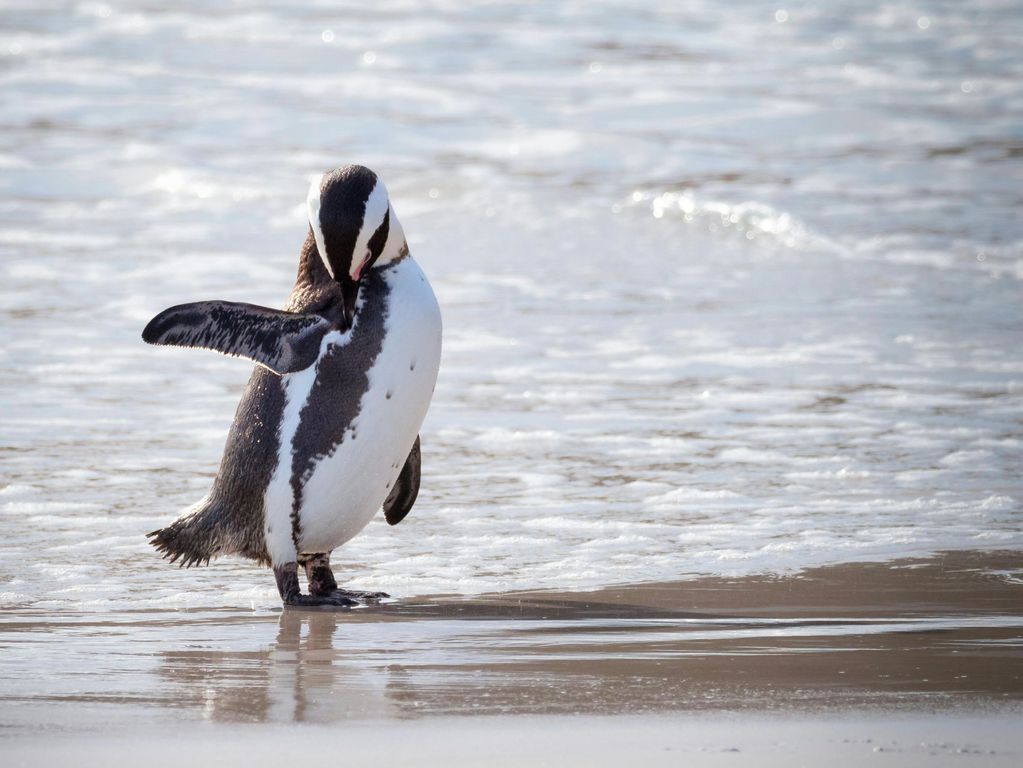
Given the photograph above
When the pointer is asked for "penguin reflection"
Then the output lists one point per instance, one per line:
(301, 678)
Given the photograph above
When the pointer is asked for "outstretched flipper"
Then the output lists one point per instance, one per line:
(284, 342)
(401, 498)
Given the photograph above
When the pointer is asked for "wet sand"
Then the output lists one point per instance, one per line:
(649, 740)
(927, 647)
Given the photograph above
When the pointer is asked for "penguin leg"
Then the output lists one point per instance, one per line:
(322, 582)
(287, 584)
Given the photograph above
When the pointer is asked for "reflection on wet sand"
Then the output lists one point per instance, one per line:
(932, 634)
(303, 677)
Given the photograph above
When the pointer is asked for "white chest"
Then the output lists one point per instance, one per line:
(344, 488)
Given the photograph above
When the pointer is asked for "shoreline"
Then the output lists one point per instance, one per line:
(957, 581)
(916, 662)
(936, 634)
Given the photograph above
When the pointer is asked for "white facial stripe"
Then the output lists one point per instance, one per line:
(376, 208)
(395, 240)
(313, 202)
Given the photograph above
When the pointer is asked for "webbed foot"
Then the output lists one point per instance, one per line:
(323, 584)
(354, 594)
(287, 585)
(312, 601)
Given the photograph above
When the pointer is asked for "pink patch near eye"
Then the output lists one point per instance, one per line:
(362, 265)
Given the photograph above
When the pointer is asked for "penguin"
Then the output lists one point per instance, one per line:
(327, 430)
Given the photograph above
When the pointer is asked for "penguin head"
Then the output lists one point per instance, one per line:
(354, 227)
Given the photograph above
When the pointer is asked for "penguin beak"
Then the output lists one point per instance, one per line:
(349, 295)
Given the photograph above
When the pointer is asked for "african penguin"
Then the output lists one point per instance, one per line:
(327, 429)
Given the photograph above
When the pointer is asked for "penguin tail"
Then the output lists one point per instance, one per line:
(192, 539)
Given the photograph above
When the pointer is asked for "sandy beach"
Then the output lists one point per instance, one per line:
(989, 739)
(918, 660)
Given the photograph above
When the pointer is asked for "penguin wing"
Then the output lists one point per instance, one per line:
(403, 495)
(284, 342)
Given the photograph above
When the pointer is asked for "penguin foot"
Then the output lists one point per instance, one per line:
(354, 594)
(312, 601)
(323, 584)
(287, 585)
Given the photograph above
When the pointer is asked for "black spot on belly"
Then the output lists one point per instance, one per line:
(412, 365)
(389, 394)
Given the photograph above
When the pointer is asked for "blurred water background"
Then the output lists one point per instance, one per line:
(728, 288)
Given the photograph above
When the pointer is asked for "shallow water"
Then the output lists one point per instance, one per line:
(727, 289)
(934, 636)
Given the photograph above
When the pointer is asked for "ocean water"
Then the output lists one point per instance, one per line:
(728, 288)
